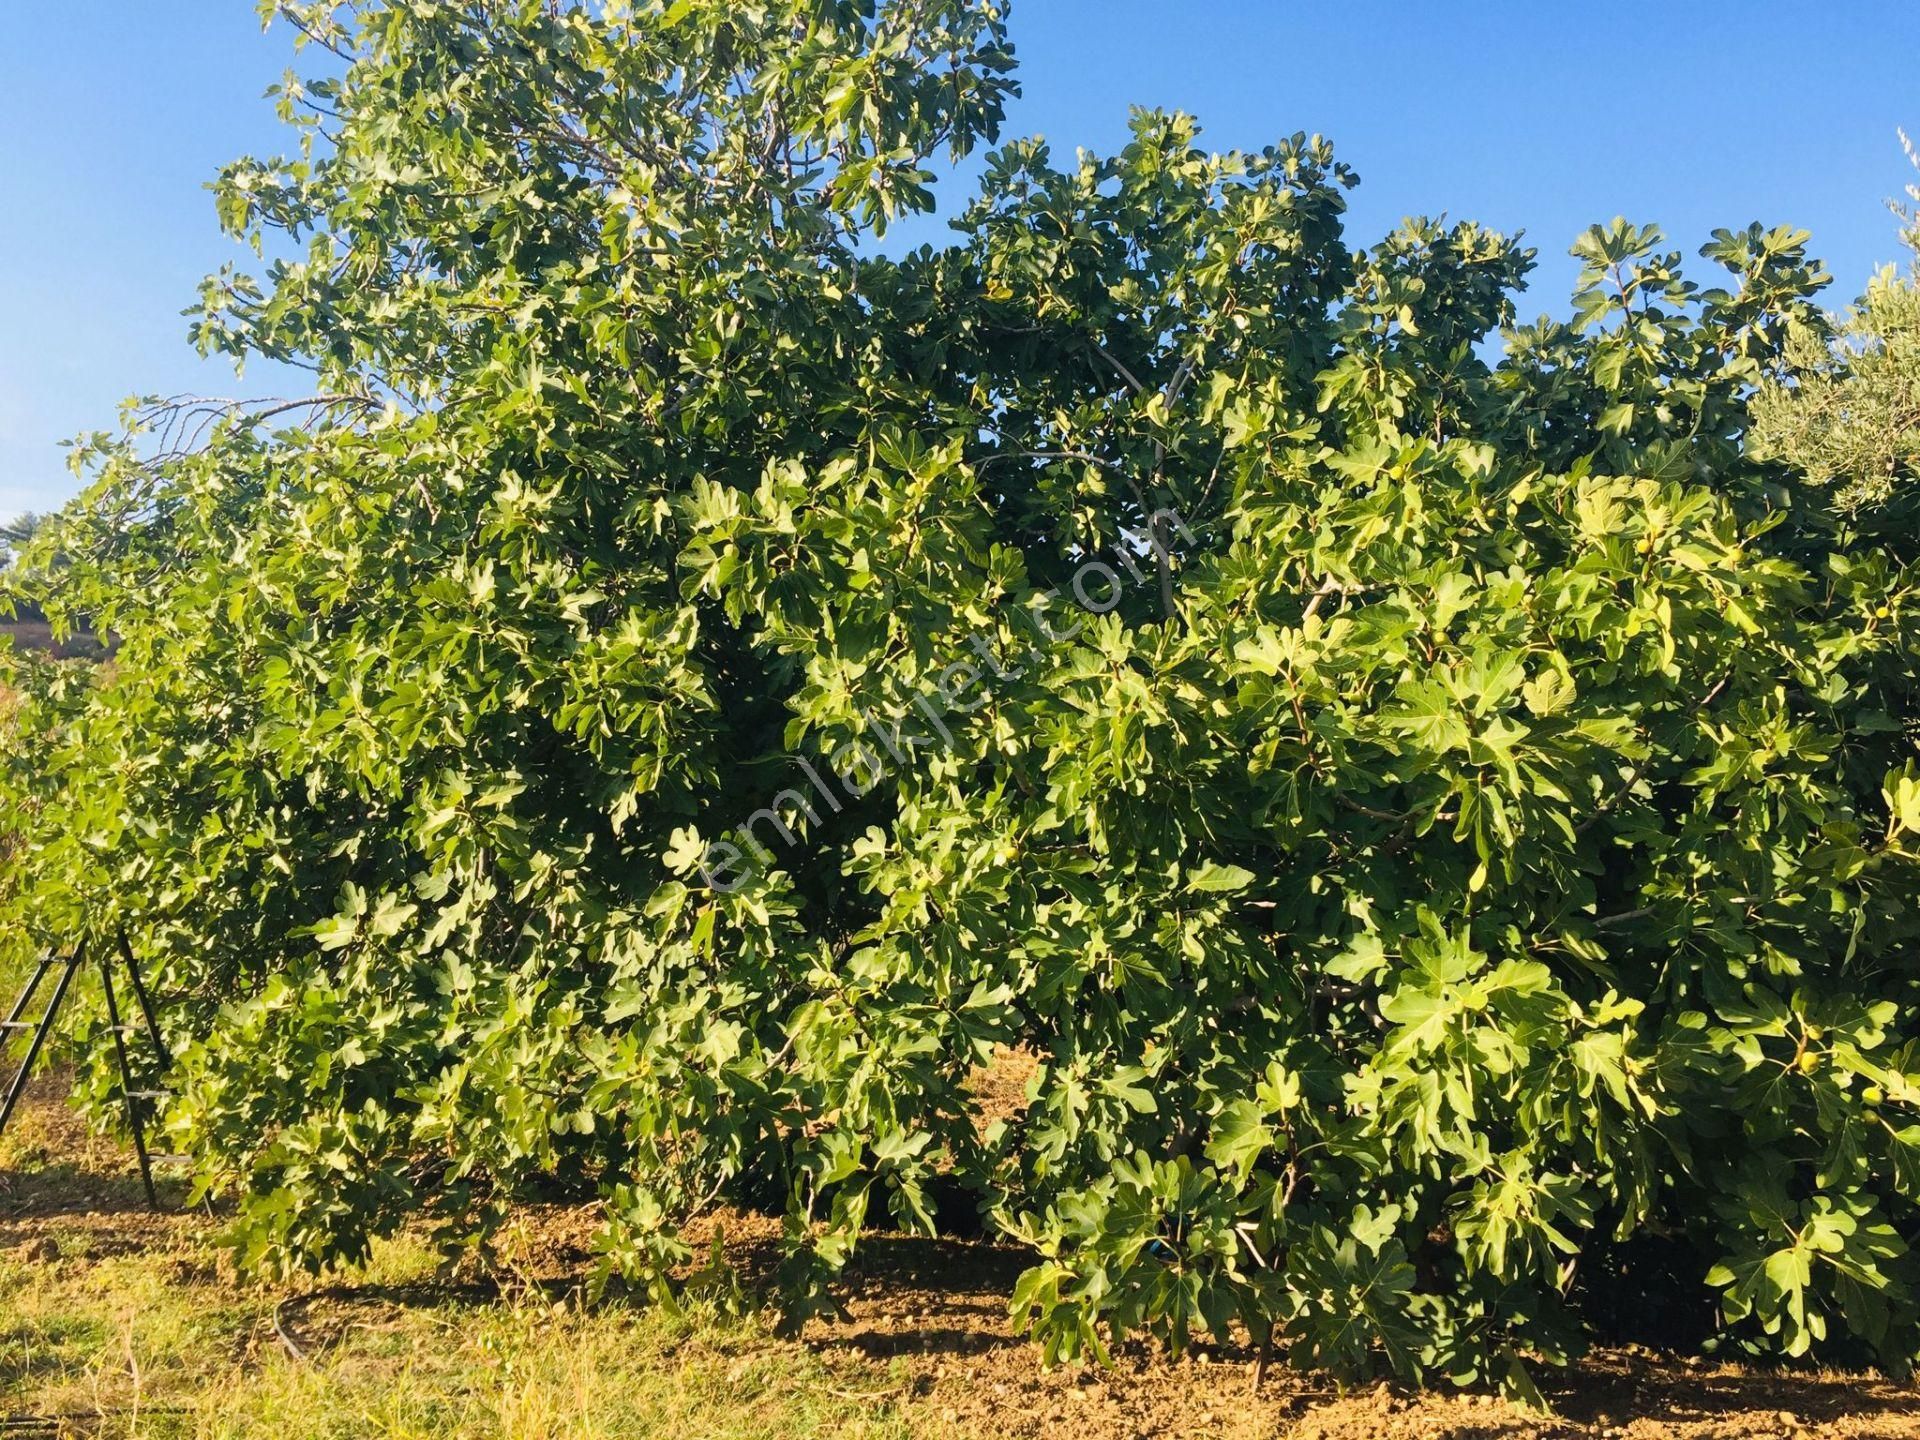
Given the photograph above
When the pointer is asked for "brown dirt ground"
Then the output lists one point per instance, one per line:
(938, 1310)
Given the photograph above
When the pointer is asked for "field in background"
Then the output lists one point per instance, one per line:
(114, 1322)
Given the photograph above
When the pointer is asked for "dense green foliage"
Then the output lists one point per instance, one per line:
(1478, 837)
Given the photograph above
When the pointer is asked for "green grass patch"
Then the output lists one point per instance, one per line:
(161, 1344)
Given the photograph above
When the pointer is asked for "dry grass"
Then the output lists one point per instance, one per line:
(117, 1323)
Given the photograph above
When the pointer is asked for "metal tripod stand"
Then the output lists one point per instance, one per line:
(137, 1101)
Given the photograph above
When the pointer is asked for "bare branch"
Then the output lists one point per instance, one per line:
(1133, 381)
(1328, 587)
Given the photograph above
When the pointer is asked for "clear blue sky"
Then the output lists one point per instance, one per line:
(1535, 114)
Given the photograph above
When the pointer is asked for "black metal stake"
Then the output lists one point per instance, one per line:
(126, 1084)
(13, 1020)
(19, 1086)
(146, 1003)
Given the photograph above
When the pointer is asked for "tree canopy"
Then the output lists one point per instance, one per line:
(1437, 808)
